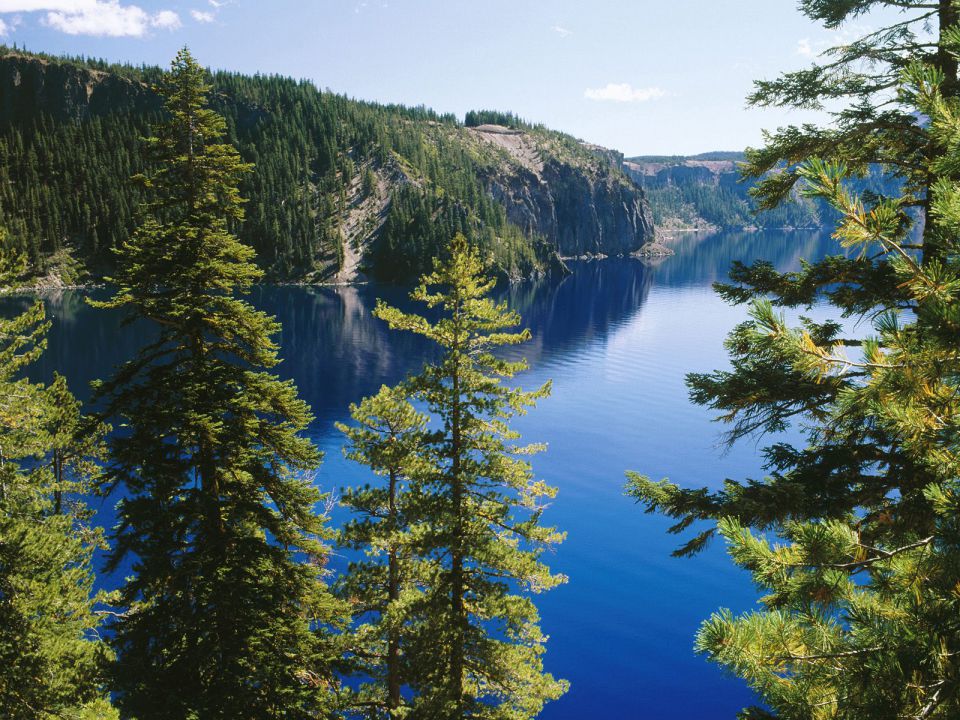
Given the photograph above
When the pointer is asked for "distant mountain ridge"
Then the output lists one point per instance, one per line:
(706, 191)
(340, 186)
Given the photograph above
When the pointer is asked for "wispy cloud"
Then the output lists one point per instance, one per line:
(208, 16)
(95, 17)
(561, 31)
(807, 48)
(8, 26)
(623, 93)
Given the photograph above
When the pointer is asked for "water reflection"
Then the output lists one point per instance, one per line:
(617, 337)
(337, 351)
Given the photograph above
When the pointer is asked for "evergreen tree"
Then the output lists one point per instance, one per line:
(859, 619)
(390, 437)
(857, 81)
(52, 659)
(226, 609)
(475, 639)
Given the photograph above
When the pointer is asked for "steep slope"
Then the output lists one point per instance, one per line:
(340, 187)
(572, 193)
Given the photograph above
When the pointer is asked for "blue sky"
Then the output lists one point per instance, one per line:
(641, 76)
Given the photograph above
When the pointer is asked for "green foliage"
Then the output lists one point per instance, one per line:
(853, 537)
(467, 531)
(383, 588)
(473, 118)
(419, 224)
(65, 160)
(52, 659)
(226, 613)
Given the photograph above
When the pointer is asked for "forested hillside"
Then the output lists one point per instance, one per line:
(338, 185)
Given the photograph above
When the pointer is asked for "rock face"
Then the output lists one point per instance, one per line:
(703, 172)
(578, 198)
(707, 191)
(30, 86)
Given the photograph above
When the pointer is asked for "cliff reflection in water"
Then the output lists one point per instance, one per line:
(617, 337)
(337, 352)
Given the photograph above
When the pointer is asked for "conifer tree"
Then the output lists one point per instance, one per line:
(390, 437)
(858, 82)
(860, 565)
(226, 611)
(52, 660)
(476, 641)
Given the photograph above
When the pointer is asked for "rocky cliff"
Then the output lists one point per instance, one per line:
(65, 92)
(571, 193)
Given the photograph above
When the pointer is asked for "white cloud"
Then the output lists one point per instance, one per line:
(202, 16)
(562, 31)
(8, 26)
(807, 48)
(218, 3)
(623, 93)
(166, 20)
(95, 17)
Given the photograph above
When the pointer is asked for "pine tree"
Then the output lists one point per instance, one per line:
(52, 660)
(476, 641)
(862, 559)
(390, 437)
(857, 83)
(226, 609)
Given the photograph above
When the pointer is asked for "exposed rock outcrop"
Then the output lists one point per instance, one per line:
(30, 86)
(577, 197)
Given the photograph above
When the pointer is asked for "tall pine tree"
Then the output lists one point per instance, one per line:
(226, 609)
(861, 566)
(52, 659)
(473, 631)
(384, 585)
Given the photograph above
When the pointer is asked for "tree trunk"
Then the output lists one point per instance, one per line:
(456, 551)
(58, 479)
(947, 17)
(393, 582)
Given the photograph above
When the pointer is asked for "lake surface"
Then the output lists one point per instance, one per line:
(617, 338)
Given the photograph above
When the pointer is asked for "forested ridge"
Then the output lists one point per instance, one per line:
(337, 182)
(708, 191)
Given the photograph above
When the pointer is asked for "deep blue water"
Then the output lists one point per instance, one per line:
(617, 338)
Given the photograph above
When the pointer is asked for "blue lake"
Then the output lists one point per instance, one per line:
(617, 337)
